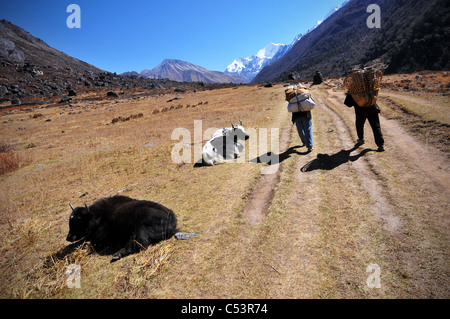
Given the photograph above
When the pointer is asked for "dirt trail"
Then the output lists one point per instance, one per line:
(406, 183)
(262, 195)
(433, 163)
(321, 255)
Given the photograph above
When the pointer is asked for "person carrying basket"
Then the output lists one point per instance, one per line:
(363, 88)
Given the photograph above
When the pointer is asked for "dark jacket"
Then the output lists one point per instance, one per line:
(350, 102)
(297, 115)
(317, 78)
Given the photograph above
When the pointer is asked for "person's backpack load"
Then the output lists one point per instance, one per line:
(302, 106)
(299, 99)
(363, 86)
(293, 91)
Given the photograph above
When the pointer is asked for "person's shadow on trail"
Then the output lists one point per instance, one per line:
(272, 159)
(329, 162)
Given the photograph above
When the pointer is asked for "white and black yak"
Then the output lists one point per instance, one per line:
(121, 225)
(224, 145)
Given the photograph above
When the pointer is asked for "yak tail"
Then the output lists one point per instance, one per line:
(184, 236)
(172, 229)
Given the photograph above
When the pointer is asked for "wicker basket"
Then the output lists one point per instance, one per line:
(364, 85)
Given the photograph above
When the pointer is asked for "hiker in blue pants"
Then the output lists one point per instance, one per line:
(303, 121)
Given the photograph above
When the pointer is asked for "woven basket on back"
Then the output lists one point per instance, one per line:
(364, 85)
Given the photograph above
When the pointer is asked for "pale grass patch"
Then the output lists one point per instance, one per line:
(429, 106)
(21, 239)
(418, 106)
(47, 281)
(144, 267)
(23, 234)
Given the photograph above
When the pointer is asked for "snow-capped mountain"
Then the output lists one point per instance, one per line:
(249, 67)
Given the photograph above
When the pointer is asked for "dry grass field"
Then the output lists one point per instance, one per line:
(328, 215)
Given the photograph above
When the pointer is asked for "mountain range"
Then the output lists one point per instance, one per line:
(241, 70)
(413, 37)
(182, 71)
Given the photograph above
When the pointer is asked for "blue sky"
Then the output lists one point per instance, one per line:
(120, 36)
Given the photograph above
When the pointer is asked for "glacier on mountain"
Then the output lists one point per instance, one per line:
(249, 67)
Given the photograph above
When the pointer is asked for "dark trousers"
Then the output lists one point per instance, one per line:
(370, 114)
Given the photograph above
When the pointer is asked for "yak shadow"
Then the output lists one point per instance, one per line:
(272, 159)
(68, 250)
(200, 163)
(268, 158)
(64, 252)
(330, 162)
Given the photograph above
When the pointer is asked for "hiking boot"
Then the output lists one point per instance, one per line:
(381, 148)
(310, 149)
(360, 141)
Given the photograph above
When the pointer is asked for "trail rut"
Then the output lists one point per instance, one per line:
(262, 195)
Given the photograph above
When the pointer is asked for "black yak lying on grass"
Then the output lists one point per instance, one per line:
(121, 225)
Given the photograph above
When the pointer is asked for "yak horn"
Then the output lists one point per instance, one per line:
(240, 122)
(232, 125)
(71, 206)
(86, 206)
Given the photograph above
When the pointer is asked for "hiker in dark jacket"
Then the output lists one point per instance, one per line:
(303, 121)
(317, 78)
(371, 114)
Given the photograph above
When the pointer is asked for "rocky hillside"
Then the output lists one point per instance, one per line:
(412, 37)
(20, 47)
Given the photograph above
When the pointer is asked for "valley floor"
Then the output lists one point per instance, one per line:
(339, 222)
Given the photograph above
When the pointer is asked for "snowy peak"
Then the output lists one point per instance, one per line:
(249, 67)
(270, 50)
(236, 67)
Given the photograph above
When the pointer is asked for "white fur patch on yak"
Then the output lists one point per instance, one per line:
(224, 145)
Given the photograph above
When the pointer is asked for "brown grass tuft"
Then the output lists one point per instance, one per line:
(10, 161)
